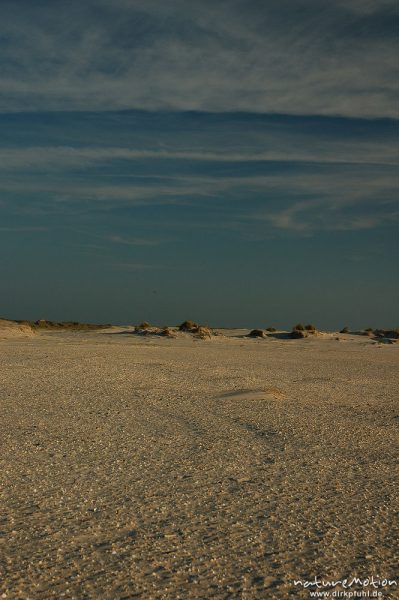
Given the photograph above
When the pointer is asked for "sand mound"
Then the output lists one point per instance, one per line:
(189, 326)
(203, 333)
(10, 329)
(167, 332)
(155, 331)
(257, 333)
(297, 334)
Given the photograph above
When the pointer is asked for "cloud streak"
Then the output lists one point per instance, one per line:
(23, 229)
(320, 215)
(132, 241)
(131, 266)
(62, 157)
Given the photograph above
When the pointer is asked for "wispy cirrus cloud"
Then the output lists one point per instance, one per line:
(23, 229)
(133, 241)
(295, 202)
(317, 216)
(307, 57)
(341, 182)
(364, 208)
(274, 149)
(133, 266)
(287, 175)
(60, 194)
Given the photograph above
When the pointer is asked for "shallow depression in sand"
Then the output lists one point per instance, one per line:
(267, 393)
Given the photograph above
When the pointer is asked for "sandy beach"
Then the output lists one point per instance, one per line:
(148, 467)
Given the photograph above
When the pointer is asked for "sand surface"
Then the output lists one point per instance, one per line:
(141, 467)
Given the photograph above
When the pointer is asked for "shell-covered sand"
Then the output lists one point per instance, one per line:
(149, 467)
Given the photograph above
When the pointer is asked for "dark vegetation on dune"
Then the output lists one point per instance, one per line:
(392, 334)
(146, 329)
(297, 334)
(43, 324)
(200, 331)
(302, 331)
(188, 326)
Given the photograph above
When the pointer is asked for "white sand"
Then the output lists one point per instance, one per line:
(173, 468)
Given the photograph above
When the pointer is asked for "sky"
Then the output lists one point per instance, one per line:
(232, 162)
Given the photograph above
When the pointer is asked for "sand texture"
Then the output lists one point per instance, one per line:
(149, 467)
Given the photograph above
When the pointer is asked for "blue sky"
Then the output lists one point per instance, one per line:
(232, 162)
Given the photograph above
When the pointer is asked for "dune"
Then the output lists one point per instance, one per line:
(12, 329)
